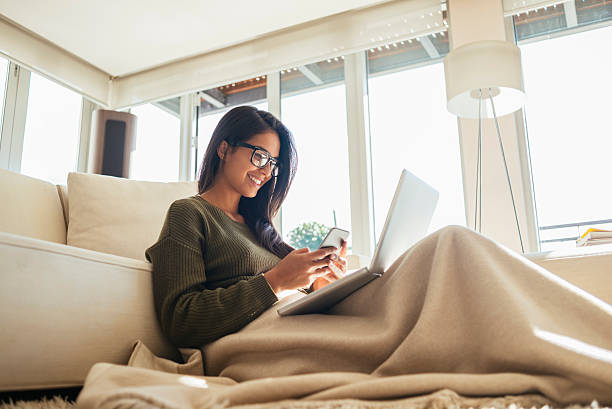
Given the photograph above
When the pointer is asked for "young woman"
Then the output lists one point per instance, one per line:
(219, 262)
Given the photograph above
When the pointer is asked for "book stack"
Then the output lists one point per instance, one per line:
(594, 236)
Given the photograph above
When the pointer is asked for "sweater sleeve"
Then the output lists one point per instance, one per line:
(190, 314)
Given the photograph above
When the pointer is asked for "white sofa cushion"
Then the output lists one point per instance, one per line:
(31, 207)
(119, 216)
(66, 308)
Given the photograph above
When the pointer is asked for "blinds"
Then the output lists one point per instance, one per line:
(45, 58)
(329, 37)
(512, 7)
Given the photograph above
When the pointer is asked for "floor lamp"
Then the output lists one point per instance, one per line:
(484, 80)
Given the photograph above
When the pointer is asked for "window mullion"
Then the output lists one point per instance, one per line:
(87, 108)
(273, 93)
(360, 175)
(7, 115)
(187, 116)
(273, 96)
(13, 125)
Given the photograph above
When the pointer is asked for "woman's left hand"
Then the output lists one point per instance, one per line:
(337, 263)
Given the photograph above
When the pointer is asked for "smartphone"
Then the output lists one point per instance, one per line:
(334, 238)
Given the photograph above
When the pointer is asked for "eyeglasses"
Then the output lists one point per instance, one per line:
(261, 157)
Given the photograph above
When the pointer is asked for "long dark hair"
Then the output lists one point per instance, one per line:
(240, 124)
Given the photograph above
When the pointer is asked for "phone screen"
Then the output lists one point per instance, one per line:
(334, 238)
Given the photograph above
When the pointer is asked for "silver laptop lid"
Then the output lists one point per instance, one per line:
(407, 220)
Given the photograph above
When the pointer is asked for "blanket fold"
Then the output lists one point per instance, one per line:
(456, 311)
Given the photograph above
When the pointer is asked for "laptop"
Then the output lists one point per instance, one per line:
(407, 222)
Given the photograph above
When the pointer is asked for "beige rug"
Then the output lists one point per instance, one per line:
(57, 402)
(445, 398)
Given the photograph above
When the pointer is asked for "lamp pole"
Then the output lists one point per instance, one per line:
(501, 147)
(478, 187)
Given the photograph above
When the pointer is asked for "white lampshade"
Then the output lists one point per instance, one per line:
(484, 65)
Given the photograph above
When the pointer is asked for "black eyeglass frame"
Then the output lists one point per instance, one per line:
(275, 165)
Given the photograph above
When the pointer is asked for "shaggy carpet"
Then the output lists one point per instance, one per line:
(443, 399)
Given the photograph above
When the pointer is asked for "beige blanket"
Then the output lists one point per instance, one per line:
(457, 311)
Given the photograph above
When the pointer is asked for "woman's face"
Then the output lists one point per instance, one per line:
(244, 177)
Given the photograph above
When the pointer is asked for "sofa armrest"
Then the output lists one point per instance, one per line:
(589, 268)
(66, 308)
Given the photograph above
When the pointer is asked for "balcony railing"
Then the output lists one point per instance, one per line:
(572, 225)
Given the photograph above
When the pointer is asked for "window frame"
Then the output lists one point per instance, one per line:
(14, 117)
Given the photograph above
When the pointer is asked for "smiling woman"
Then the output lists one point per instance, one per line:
(219, 262)
(238, 178)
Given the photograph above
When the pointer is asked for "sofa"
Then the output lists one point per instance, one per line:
(76, 289)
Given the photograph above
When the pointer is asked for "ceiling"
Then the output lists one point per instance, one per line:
(124, 37)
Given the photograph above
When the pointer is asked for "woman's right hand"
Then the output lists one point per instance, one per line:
(299, 268)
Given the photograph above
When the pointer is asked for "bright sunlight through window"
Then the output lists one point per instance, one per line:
(411, 128)
(51, 140)
(156, 157)
(320, 191)
(568, 87)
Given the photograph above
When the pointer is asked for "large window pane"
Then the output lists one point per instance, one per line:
(51, 140)
(156, 157)
(567, 82)
(3, 77)
(215, 102)
(411, 128)
(313, 106)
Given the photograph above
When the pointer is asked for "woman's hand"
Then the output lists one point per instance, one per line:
(298, 267)
(339, 262)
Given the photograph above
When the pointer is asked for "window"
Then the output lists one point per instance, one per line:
(313, 106)
(546, 21)
(51, 139)
(156, 157)
(411, 128)
(567, 82)
(3, 77)
(215, 102)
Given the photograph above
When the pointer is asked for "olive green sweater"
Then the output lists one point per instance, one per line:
(207, 274)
